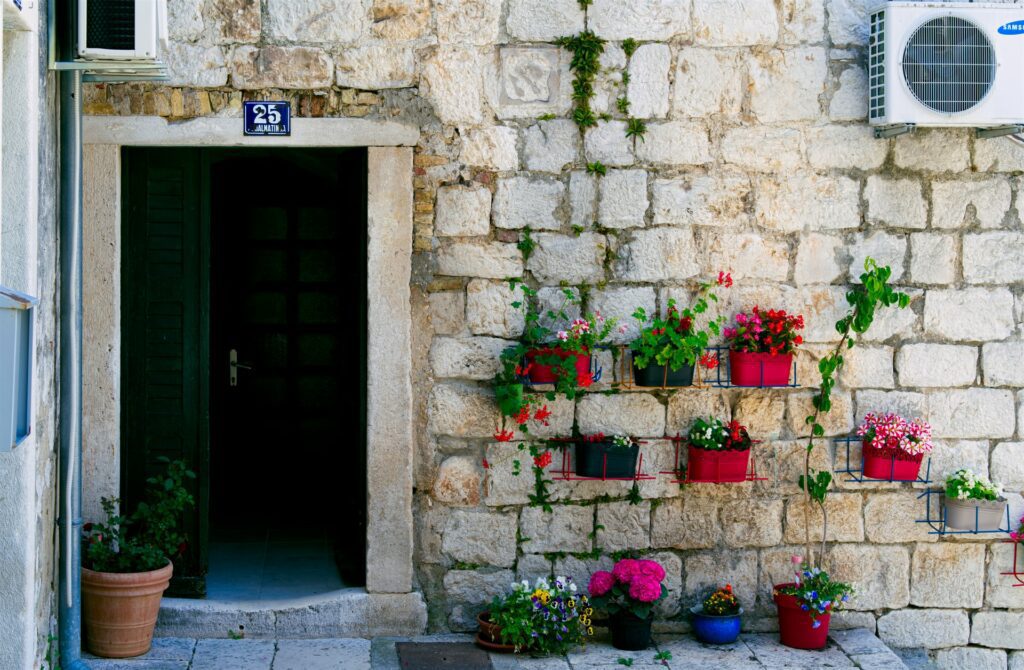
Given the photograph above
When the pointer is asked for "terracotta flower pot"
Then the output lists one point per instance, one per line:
(748, 369)
(796, 627)
(119, 610)
(489, 637)
(546, 374)
(977, 515)
(890, 464)
(718, 466)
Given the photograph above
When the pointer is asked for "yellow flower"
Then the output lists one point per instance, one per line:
(542, 596)
(571, 603)
(590, 631)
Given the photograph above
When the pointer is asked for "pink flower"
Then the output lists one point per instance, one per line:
(650, 569)
(796, 560)
(601, 583)
(562, 335)
(729, 333)
(645, 589)
(625, 570)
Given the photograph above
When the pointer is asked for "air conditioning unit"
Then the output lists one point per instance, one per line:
(946, 64)
(121, 29)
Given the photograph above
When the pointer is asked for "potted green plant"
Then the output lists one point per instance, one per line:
(806, 606)
(973, 503)
(717, 619)
(761, 347)
(629, 593)
(606, 456)
(548, 618)
(667, 349)
(127, 565)
(717, 451)
(894, 447)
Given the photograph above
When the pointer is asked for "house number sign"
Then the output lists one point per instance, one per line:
(263, 117)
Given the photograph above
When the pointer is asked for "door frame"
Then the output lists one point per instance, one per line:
(389, 395)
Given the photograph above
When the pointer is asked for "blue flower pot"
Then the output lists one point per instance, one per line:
(711, 629)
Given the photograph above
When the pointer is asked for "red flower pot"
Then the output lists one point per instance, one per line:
(890, 464)
(748, 369)
(546, 374)
(796, 627)
(707, 465)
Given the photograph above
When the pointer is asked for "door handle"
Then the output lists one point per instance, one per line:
(234, 366)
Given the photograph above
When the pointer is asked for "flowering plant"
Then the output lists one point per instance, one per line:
(633, 585)
(893, 433)
(816, 592)
(715, 434)
(673, 341)
(546, 618)
(1018, 535)
(965, 485)
(616, 441)
(772, 332)
(723, 602)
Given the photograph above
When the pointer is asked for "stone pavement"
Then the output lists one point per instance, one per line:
(847, 649)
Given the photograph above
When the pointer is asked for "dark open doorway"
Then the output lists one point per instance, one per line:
(269, 362)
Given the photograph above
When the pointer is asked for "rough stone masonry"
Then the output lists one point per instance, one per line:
(758, 160)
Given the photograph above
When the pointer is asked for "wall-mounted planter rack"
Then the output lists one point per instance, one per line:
(721, 376)
(854, 471)
(596, 373)
(1017, 574)
(680, 474)
(566, 472)
(935, 518)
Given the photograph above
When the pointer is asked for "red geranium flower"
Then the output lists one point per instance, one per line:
(542, 461)
(504, 436)
(542, 415)
(486, 465)
(523, 416)
(586, 379)
(709, 361)
(725, 279)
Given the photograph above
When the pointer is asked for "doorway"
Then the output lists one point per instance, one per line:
(264, 254)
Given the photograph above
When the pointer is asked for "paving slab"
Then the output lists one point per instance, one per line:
(233, 655)
(331, 654)
(518, 662)
(771, 654)
(604, 655)
(137, 663)
(689, 653)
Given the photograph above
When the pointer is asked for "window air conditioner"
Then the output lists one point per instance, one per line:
(121, 29)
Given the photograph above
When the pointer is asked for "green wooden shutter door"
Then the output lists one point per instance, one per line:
(163, 330)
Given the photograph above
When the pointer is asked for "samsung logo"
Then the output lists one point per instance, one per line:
(1012, 28)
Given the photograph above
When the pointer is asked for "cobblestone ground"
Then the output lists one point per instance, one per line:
(847, 649)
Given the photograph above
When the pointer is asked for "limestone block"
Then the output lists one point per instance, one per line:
(844, 147)
(673, 602)
(623, 525)
(969, 314)
(707, 82)
(685, 523)
(452, 82)
(761, 411)
(998, 157)
(648, 88)
(493, 147)
(816, 259)
(952, 201)
(1016, 660)
(573, 259)
(1008, 465)
(532, 566)
(184, 20)
(525, 201)
(532, 81)
(687, 405)
(948, 575)
(763, 148)
(937, 365)
(608, 144)
(674, 143)
(899, 323)
(458, 482)
(706, 571)
(886, 249)
(850, 101)
(973, 412)
(1000, 589)
(658, 254)
(317, 20)
(482, 538)
(489, 309)
(868, 367)
(623, 199)
(891, 518)
(795, 201)
(467, 357)
(785, 85)
(993, 258)
(845, 523)
(933, 151)
(837, 422)
(848, 22)
(280, 67)
(882, 575)
(375, 66)
(476, 22)
(897, 203)
(971, 658)
(234, 21)
(928, 629)
(582, 198)
(502, 486)
(933, 258)
(400, 20)
(620, 303)
(717, 200)
(551, 145)
(776, 568)
(462, 211)
(643, 20)
(998, 629)
(448, 312)
(566, 528)
(752, 523)
(192, 65)
(747, 256)
(786, 460)
(461, 411)
(494, 260)
(469, 591)
(802, 21)
(951, 455)
(1001, 363)
(822, 306)
(724, 23)
(544, 20)
(637, 414)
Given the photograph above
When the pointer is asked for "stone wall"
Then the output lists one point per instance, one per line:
(757, 159)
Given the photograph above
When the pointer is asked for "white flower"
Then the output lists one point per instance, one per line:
(572, 587)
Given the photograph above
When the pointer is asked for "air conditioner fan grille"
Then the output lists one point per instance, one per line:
(110, 24)
(949, 64)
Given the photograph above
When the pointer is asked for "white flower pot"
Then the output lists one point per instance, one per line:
(976, 515)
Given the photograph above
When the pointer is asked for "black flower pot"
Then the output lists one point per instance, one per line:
(656, 375)
(605, 460)
(629, 632)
